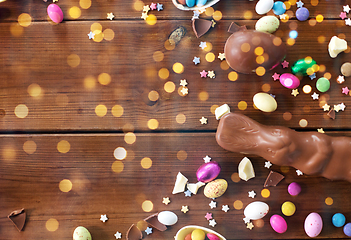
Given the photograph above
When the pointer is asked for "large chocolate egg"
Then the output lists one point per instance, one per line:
(247, 50)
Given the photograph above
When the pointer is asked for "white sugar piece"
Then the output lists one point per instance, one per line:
(220, 111)
(193, 187)
(336, 46)
(180, 183)
(246, 170)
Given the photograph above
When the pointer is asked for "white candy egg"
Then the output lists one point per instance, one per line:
(267, 24)
(265, 102)
(264, 6)
(256, 210)
(167, 218)
(81, 233)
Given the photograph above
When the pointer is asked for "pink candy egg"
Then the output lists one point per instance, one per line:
(55, 13)
(313, 224)
(294, 189)
(278, 223)
(208, 171)
(212, 236)
(289, 80)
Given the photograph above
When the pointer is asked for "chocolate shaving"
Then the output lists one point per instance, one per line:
(273, 179)
(331, 113)
(18, 217)
(236, 28)
(201, 26)
(134, 233)
(153, 221)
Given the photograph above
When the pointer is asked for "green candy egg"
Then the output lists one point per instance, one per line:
(323, 84)
(301, 66)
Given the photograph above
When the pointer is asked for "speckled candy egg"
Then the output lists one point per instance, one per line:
(208, 171)
(264, 6)
(55, 13)
(313, 224)
(256, 210)
(167, 218)
(268, 24)
(265, 102)
(215, 188)
(278, 223)
(81, 233)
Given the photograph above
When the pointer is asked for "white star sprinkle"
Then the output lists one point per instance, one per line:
(342, 106)
(225, 208)
(299, 173)
(267, 164)
(212, 222)
(213, 204)
(203, 120)
(340, 79)
(207, 159)
(184, 91)
(203, 45)
(148, 230)
(346, 8)
(118, 235)
(252, 194)
(315, 96)
(196, 60)
(183, 82)
(91, 35)
(221, 56)
(337, 108)
(110, 16)
(103, 218)
(326, 107)
(246, 220)
(348, 22)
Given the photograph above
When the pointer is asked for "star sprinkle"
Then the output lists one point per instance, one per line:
(225, 208)
(153, 6)
(340, 79)
(252, 194)
(312, 76)
(208, 216)
(212, 222)
(183, 82)
(246, 220)
(346, 8)
(196, 15)
(213, 23)
(299, 4)
(275, 76)
(249, 225)
(213, 204)
(146, 8)
(148, 230)
(221, 56)
(211, 74)
(207, 159)
(285, 64)
(166, 200)
(348, 22)
(337, 108)
(103, 218)
(110, 16)
(196, 60)
(91, 35)
(144, 15)
(326, 107)
(299, 173)
(267, 164)
(342, 15)
(283, 16)
(203, 74)
(118, 235)
(320, 130)
(345, 90)
(184, 91)
(203, 120)
(187, 193)
(315, 96)
(295, 92)
(342, 106)
(54, 1)
(159, 7)
(185, 209)
(203, 45)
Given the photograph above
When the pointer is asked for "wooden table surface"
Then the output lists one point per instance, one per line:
(92, 127)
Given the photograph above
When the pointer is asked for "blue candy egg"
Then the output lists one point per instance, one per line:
(347, 229)
(338, 219)
(279, 8)
(302, 14)
(200, 3)
(190, 3)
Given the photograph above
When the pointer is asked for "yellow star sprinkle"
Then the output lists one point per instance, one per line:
(295, 92)
(320, 130)
(146, 8)
(326, 107)
(203, 120)
(166, 200)
(211, 74)
(144, 15)
(249, 225)
(184, 91)
(221, 56)
(185, 209)
(337, 108)
(213, 23)
(110, 16)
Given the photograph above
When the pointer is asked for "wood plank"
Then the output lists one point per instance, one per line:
(31, 178)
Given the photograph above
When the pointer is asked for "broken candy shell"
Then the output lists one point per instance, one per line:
(222, 110)
(180, 183)
(153, 221)
(336, 46)
(265, 102)
(18, 217)
(208, 171)
(134, 233)
(184, 231)
(55, 13)
(194, 187)
(245, 169)
(273, 179)
(81, 233)
(201, 26)
(215, 188)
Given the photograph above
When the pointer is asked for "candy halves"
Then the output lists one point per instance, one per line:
(180, 183)
(208, 171)
(245, 169)
(336, 46)
(55, 13)
(18, 217)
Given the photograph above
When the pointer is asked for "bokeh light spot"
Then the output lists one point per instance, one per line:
(233, 76)
(210, 57)
(203, 96)
(158, 56)
(85, 4)
(265, 193)
(247, 15)
(238, 205)
(16, 29)
(24, 20)
(182, 155)
(287, 116)
(180, 118)
(34, 90)
(129, 138)
(146, 163)
(303, 123)
(169, 86)
(108, 34)
(151, 19)
(266, 87)
(284, 169)
(29, 147)
(73, 60)
(242, 105)
(120, 153)
(117, 166)
(153, 96)
(152, 124)
(65, 185)
(245, 47)
(63, 146)
(147, 206)
(21, 111)
(100, 110)
(260, 71)
(74, 12)
(117, 111)
(178, 68)
(329, 201)
(89, 82)
(104, 78)
(169, 44)
(52, 225)
(235, 177)
(217, 15)
(163, 73)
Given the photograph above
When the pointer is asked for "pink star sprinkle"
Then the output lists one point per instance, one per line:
(208, 216)
(153, 6)
(343, 15)
(285, 64)
(203, 74)
(345, 90)
(275, 76)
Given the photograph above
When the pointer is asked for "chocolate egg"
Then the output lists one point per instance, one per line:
(208, 171)
(240, 51)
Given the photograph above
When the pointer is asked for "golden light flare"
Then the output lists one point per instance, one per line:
(34, 90)
(146, 163)
(108, 34)
(180, 118)
(319, 18)
(89, 82)
(85, 4)
(169, 44)
(203, 96)
(248, 15)
(259, 51)
(290, 41)
(74, 12)
(245, 47)
(100, 110)
(182, 155)
(98, 36)
(152, 124)
(314, 2)
(73, 60)
(233, 76)
(285, 169)
(169, 87)
(277, 41)
(16, 29)
(260, 71)
(329, 201)
(242, 105)
(266, 87)
(224, 65)
(24, 19)
(210, 57)
(63, 146)
(21, 111)
(120, 153)
(147, 206)
(209, 11)
(265, 193)
(117, 166)
(178, 68)
(96, 28)
(117, 110)
(151, 19)
(217, 15)
(163, 73)
(327, 75)
(303, 123)
(129, 138)
(52, 225)
(158, 56)
(153, 96)
(104, 78)
(9, 153)
(238, 204)
(213, 108)
(312, 22)
(29, 147)
(287, 116)
(208, 47)
(235, 177)
(138, 5)
(65, 185)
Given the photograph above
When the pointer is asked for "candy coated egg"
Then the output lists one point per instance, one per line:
(289, 80)
(198, 234)
(81, 233)
(338, 219)
(212, 236)
(200, 2)
(288, 208)
(208, 171)
(190, 3)
(167, 218)
(294, 189)
(264, 6)
(188, 237)
(267, 24)
(215, 188)
(313, 224)
(278, 223)
(323, 84)
(346, 69)
(279, 8)
(240, 48)
(303, 66)
(302, 14)
(55, 13)
(182, 2)
(265, 102)
(256, 210)
(347, 229)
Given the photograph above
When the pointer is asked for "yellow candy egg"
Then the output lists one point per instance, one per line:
(215, 188)
(288, 208)
(198, 234)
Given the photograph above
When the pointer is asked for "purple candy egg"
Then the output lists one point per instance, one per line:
(294, 189)
(289, 80)
(208, 171)
(55, 13)
(302, 14)
(278, 223)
